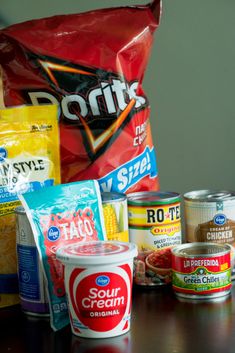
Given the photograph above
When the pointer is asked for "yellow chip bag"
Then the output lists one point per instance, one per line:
(29, 160)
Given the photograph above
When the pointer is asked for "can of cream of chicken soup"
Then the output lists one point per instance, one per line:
(201, 271)
(32, 287)
(155, 227)
(210, 217)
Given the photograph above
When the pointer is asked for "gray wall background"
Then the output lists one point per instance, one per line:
(190, 82)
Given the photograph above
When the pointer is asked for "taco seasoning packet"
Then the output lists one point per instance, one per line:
(60, 215)
(92, 65)
(29, 160)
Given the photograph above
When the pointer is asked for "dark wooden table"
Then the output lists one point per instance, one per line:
(160, 323)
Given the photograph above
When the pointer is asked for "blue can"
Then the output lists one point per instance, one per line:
(32, 288)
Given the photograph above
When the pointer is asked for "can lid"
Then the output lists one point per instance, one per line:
(200, 249)
(153, 197)
(20, 210)
(210, 195)
(112, 197)
(96, 252)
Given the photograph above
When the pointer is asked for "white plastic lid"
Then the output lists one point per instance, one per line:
(96, 252)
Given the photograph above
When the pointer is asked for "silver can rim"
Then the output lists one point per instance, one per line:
(203, 298)
(158, 197)
(208, 195)
(20, 210)
(111, 197)
(181, 250)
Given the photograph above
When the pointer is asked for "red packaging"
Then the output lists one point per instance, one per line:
(92, 64)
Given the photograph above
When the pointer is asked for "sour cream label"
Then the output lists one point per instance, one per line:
(100, 301)
(97, 307)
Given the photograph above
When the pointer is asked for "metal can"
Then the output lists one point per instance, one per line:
(155, 227)
(201, 271)
(115, 216)
(210, 217)
(32, 289)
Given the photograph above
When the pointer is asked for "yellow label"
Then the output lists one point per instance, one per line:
(154, 227)
(224, 266)
(116, 220)
(149, 216)
(8, 208)
(170, 230)
(29, 159)
(9, 299)
(122, 236)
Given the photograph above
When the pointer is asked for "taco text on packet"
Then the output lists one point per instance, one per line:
(60, 215)
(92, 64)
(29, 160)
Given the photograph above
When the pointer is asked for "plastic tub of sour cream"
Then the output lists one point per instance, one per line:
(98, 283)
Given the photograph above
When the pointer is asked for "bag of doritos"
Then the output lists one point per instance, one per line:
(92, 64)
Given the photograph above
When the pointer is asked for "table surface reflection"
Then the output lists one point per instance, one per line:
(160, 323)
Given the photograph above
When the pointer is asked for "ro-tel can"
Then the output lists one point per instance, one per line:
(32, 290)
(155, 226)
(210, 217)
(115, 216)
(98, 284)
(201, 271)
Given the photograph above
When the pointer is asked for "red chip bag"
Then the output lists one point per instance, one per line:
(92, 65)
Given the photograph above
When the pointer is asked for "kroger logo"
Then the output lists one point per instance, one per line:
(53, 233)
(3, 154)
(102, 281)
(220, 219)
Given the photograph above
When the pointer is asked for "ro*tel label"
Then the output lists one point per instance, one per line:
(155, 226)
(201, 270)
(98, 283)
